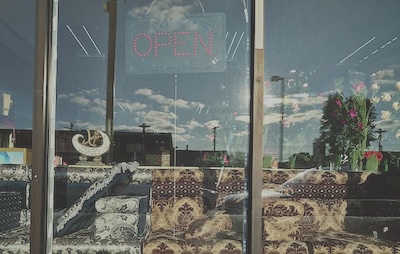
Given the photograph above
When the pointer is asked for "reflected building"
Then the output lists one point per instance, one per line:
(153, 149)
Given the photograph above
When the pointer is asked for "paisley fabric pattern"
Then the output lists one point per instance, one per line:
(177, 183)
(78, 174)
(25, 218)
(229, 181)
(330, 214)
(312, 218)
(282, 220)
(178, 222)
(171, 214)
(116, 225)
(163, 244)
(11, 172)
(118, 204)
(344, 242)
(285, 247)
(290, 218)
(82, 241)
(141, 176)
(275, 177)
(209, 226)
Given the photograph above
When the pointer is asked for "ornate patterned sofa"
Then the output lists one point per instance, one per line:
(183, 214)
(304, 212)
(316, 214)
(198, 210)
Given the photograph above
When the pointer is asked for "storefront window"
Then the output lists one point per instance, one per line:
(331, 128)
(17, 37)
(151, 126)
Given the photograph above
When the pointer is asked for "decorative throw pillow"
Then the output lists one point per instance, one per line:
(116, 226)
(120, 204)
(129, 205)
(81, 213)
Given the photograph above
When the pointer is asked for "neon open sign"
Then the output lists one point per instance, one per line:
(193, 44)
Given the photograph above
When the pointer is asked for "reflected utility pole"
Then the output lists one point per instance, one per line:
(111, 8)
(275, 79)
(380, 131)
(144, 126)
(215, 137)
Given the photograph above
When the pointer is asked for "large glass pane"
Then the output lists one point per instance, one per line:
(152, 126)
(331, 147)
(17, 39)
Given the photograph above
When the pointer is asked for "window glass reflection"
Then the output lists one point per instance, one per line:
(331, 127)
(17, 39)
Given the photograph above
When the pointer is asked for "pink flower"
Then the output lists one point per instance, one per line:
(360, 125)
(359, 86)
(338, 102)
(353, 113)
(343, 122)
(226, 159)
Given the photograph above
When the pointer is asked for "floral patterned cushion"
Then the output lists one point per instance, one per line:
(290, 218)
(283, 219)
(285, 247)
(82, 241)
(79, 215)
(120, 204)
(116, 225)
(174, 245)
(344, 242)
(214, 222)
(175, 214)
(329, 213)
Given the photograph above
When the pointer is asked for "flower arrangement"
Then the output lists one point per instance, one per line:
(347, 125)
(373, 159)
(216, 158)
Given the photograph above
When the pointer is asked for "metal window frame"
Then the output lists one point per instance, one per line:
(41, 136)
(256, 128)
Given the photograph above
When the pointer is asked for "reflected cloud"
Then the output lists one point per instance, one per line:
(171, 12)
(79, 100)
(161, 122)
(192, 124)
(87, 100)
(387, 124)
(305, 116)
(212, 124)
(243, 118)
(165, 102)
(272, 118)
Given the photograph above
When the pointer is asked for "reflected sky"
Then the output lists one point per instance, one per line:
(312, 44)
